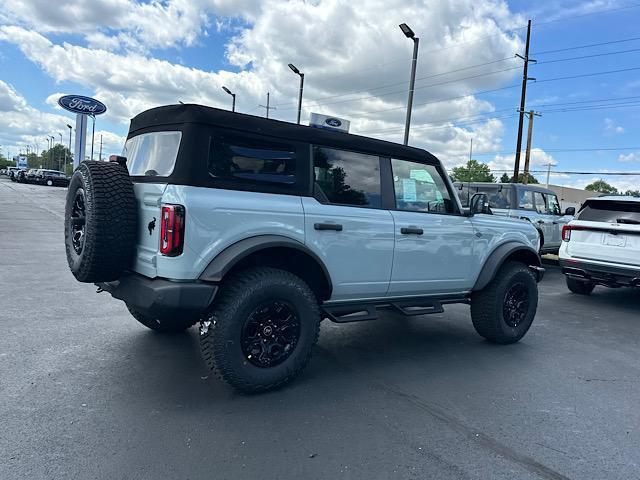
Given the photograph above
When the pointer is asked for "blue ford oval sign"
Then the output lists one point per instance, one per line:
(81, 104)
(333, 122)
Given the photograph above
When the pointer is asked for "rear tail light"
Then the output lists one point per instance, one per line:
(567, 229)
(172, 230)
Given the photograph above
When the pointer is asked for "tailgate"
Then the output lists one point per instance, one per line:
(605, 242)
(148, 199)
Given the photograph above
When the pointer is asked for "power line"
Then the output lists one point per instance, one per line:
(491, 62)
(598, 12)
(559, 150)
(431, 102)
(582, 101)
(589, 45)
(443, 120)
(593, 74)
(417, 88)
(605, 54)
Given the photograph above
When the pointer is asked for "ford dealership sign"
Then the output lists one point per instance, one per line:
(82, 105)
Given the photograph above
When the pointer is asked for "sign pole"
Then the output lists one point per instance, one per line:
(81, 139)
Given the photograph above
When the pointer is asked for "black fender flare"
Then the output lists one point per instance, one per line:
(234, 253)
(497, 258)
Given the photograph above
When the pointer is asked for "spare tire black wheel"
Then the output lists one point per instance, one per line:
(100, 222)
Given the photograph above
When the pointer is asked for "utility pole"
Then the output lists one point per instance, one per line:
(523, 96)
(548, 173)
(527, 156)
(100, 154)
(267, 107)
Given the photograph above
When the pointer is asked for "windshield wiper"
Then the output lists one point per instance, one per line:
(628, 221)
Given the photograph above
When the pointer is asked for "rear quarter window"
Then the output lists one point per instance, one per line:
(152, 154)
(610, 211)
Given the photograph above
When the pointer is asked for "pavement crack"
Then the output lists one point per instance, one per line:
(474, 435)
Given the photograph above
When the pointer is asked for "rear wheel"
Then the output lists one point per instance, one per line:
(261, 332)
(173, 325)
(503, 311)
(581, 287)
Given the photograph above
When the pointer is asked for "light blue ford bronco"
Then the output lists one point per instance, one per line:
(259, 229)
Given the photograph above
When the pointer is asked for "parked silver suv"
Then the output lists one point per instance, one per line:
(259, 229)
(533, 203)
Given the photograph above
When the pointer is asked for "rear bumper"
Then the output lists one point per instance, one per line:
(160, 298)
(610, 276)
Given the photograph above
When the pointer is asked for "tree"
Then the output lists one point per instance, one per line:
(530, 178)
(602, 187)
(474, 171)
(53, 159)
(632, 193)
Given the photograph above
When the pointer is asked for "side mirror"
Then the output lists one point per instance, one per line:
(571, 211)
(479, 203)
(118, 159)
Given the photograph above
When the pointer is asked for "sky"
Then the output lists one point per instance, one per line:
(133, 55)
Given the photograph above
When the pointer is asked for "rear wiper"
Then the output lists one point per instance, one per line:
(628, 221)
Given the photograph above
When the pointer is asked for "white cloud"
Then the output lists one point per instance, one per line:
(539, 160)
(22, 125)
(630, 157)
(611, 127)
(346, 51)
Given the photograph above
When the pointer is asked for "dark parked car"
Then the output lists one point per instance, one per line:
(51, 178)
(21, 175)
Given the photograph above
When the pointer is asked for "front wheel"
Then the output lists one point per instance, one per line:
(503, 311)
(581, 287)
(49, 183)
(261, 332)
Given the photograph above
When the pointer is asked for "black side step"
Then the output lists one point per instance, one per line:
(350, 313)
(424, 307)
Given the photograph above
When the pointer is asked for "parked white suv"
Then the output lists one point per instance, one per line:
(602, 245)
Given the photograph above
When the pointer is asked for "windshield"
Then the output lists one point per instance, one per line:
(610, 211)
(152, 154)
(498, 196)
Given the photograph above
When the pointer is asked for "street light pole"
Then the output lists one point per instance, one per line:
(416, 41)
(51, 152)
(295, 70)
(93, 132)
(65, 154)
(70, 128)
(233, 96)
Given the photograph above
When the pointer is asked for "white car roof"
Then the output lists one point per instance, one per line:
(614, 198)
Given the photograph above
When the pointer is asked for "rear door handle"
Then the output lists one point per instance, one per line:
(411, 231)
(328, 226)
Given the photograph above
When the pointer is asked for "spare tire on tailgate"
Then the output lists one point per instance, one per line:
(100, 222)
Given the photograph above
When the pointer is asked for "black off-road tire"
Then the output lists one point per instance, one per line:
(110, 226)
(488, 305)
(581, 287)
(221, 332)
(163, 326)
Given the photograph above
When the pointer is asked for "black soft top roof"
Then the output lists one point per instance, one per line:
(200, 114)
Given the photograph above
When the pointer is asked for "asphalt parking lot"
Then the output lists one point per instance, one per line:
(86, 392)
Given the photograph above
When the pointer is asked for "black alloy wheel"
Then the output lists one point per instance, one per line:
(516, 304)
(270, 334)
(77, 221)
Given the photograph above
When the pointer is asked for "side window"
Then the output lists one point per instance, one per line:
(553, 204)
(250, 160)
(347, 178)
(419, 187)
(541, 205)
(525, 199)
